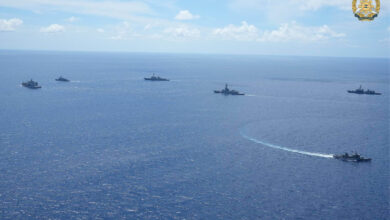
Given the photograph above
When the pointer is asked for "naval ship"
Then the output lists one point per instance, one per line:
(62, 79)
(227, 91)
(360, 91)
(156, 78)
(31, 84)
(355, 157)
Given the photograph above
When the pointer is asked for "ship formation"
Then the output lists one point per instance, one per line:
(354, 157)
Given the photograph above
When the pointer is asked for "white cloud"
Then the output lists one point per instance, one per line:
(130, 31)
(117, 37)
(293, 31)
(186, 15)
(72, 19)
(182, 32)
(10, 25)
(147, 27)
(291, 5)
(112, 8)
(138, 12)
(100, 30)
(275, 11)
(245, 32)
(286, 32)
(53, 28)
(387, 39)
(317, 4)
(124, 31)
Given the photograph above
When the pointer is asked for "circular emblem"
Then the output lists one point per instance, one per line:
(366, 11)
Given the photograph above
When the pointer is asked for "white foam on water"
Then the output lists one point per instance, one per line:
(286, 148)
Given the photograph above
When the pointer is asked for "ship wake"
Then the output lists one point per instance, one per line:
(314, 154)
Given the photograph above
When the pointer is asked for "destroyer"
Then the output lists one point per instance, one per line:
(355, 157)
(227, 91)
(62, 79)
(360, 90)
(31, 84)
(156, 78)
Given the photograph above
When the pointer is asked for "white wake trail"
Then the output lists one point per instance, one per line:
(286, 149)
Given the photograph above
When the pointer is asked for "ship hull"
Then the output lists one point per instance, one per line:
(149, 79)
(364, 93)
(32, 87)
(360, 93)
(349, 159)
(224, 93)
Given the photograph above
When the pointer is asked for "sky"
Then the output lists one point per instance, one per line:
(265, 27)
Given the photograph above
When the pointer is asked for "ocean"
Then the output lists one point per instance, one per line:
(110, 145)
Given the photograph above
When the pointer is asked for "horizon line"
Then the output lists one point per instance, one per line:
(188, 53)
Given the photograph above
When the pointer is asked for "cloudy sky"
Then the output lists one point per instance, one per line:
(275, 27)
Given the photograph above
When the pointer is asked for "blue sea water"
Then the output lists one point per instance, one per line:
(109, 145)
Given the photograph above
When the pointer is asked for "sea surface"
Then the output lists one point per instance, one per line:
(109, 145)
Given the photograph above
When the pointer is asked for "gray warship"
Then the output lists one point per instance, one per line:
(156, 78)
(361, 91)
(227, 91)
(355, 157)
(31, 84)
(62, 79)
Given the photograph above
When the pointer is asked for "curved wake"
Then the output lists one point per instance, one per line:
(285, 148)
